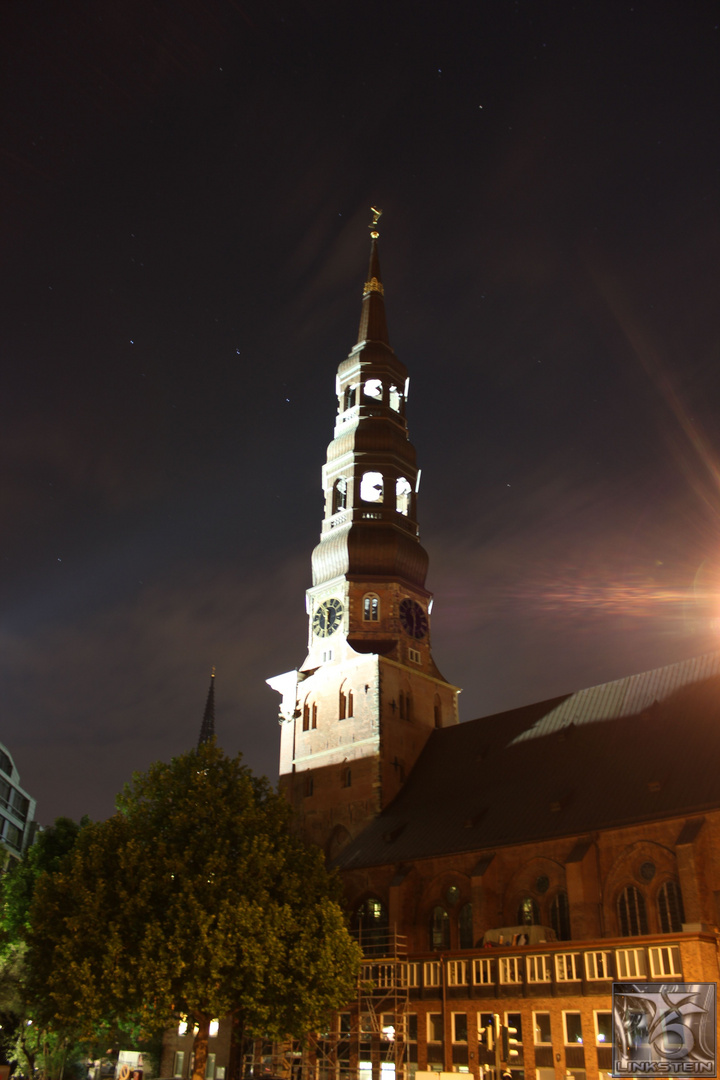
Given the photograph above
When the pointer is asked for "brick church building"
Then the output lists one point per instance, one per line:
(509, 866)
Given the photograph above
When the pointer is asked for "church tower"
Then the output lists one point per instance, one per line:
(356, 714)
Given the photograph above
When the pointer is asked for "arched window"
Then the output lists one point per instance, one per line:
(346, 777)
(372, 487)
(670, 908)
(306, 716)
(309, 785)
(632, 915)
(560, 916)
(339, 499)
(439, 929)
(371, 607)
(465, 927)
(314, 715)
(370, 923)
(528, 914)
(403, 495)
(373, 388)
(345, 702)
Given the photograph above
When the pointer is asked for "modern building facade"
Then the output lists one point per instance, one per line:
(17, 812)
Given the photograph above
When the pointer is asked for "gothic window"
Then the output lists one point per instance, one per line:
(632, 915)
(528, 914)
(439, 929)
(373, 389)
(371, 607)
(346, 778)
(670, 908)
(560, 916)
(465, 927)
(339, 499)
(372, 487)
(306, 716)
(345, 704)
(370, 923)
(314, 715)
(403, 495)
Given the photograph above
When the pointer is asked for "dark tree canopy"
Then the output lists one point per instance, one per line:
(195, 899)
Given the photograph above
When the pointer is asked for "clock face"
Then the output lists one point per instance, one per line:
(413, 618)
(326, 619)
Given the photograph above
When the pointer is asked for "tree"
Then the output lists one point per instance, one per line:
(23, 1038)
(195, 900)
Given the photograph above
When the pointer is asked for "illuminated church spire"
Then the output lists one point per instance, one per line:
(207, 730)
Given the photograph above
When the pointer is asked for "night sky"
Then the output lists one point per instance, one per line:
(184, 194)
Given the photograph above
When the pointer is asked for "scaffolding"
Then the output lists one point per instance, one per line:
(368, 1039)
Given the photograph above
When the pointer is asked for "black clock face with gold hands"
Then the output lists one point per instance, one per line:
(413, 618)
(326, 619)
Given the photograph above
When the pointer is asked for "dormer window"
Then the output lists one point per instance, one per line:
(371, 607)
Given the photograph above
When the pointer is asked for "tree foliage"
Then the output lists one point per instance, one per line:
(24, 1038)
(195, 899)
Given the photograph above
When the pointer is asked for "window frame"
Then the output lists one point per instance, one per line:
(660, 970)
(621, 958)
(591, 964)
(536, 1040)
(532, 963)
(508, 964)
(568, 961)
(565, 1014)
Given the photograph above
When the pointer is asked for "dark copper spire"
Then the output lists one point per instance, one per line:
(373, 325)
(207, 731)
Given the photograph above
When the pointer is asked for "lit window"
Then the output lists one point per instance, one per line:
(597, 965)
(603, 1028)
(372, 487)
(538, 969)
(371, 608)
(573, 1028)
(542, 1028)
(431, 973)
(435, 1027)
(528, 912)
(630, 963)
(182, 1027)
(214, 1028)
(482, 972)
(403, 495)
(373, 388)
(457, 971)
(665, 961)
(339, 499)
(567, 967)
(510, 970)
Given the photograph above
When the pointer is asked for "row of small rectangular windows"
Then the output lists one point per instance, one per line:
(657, 961)
(389, 1027)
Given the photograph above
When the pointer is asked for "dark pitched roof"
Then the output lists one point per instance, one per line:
(637, 749)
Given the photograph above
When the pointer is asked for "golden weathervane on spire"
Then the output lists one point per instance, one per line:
(377, 214)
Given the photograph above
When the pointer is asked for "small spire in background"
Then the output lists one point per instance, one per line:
(207, 731)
